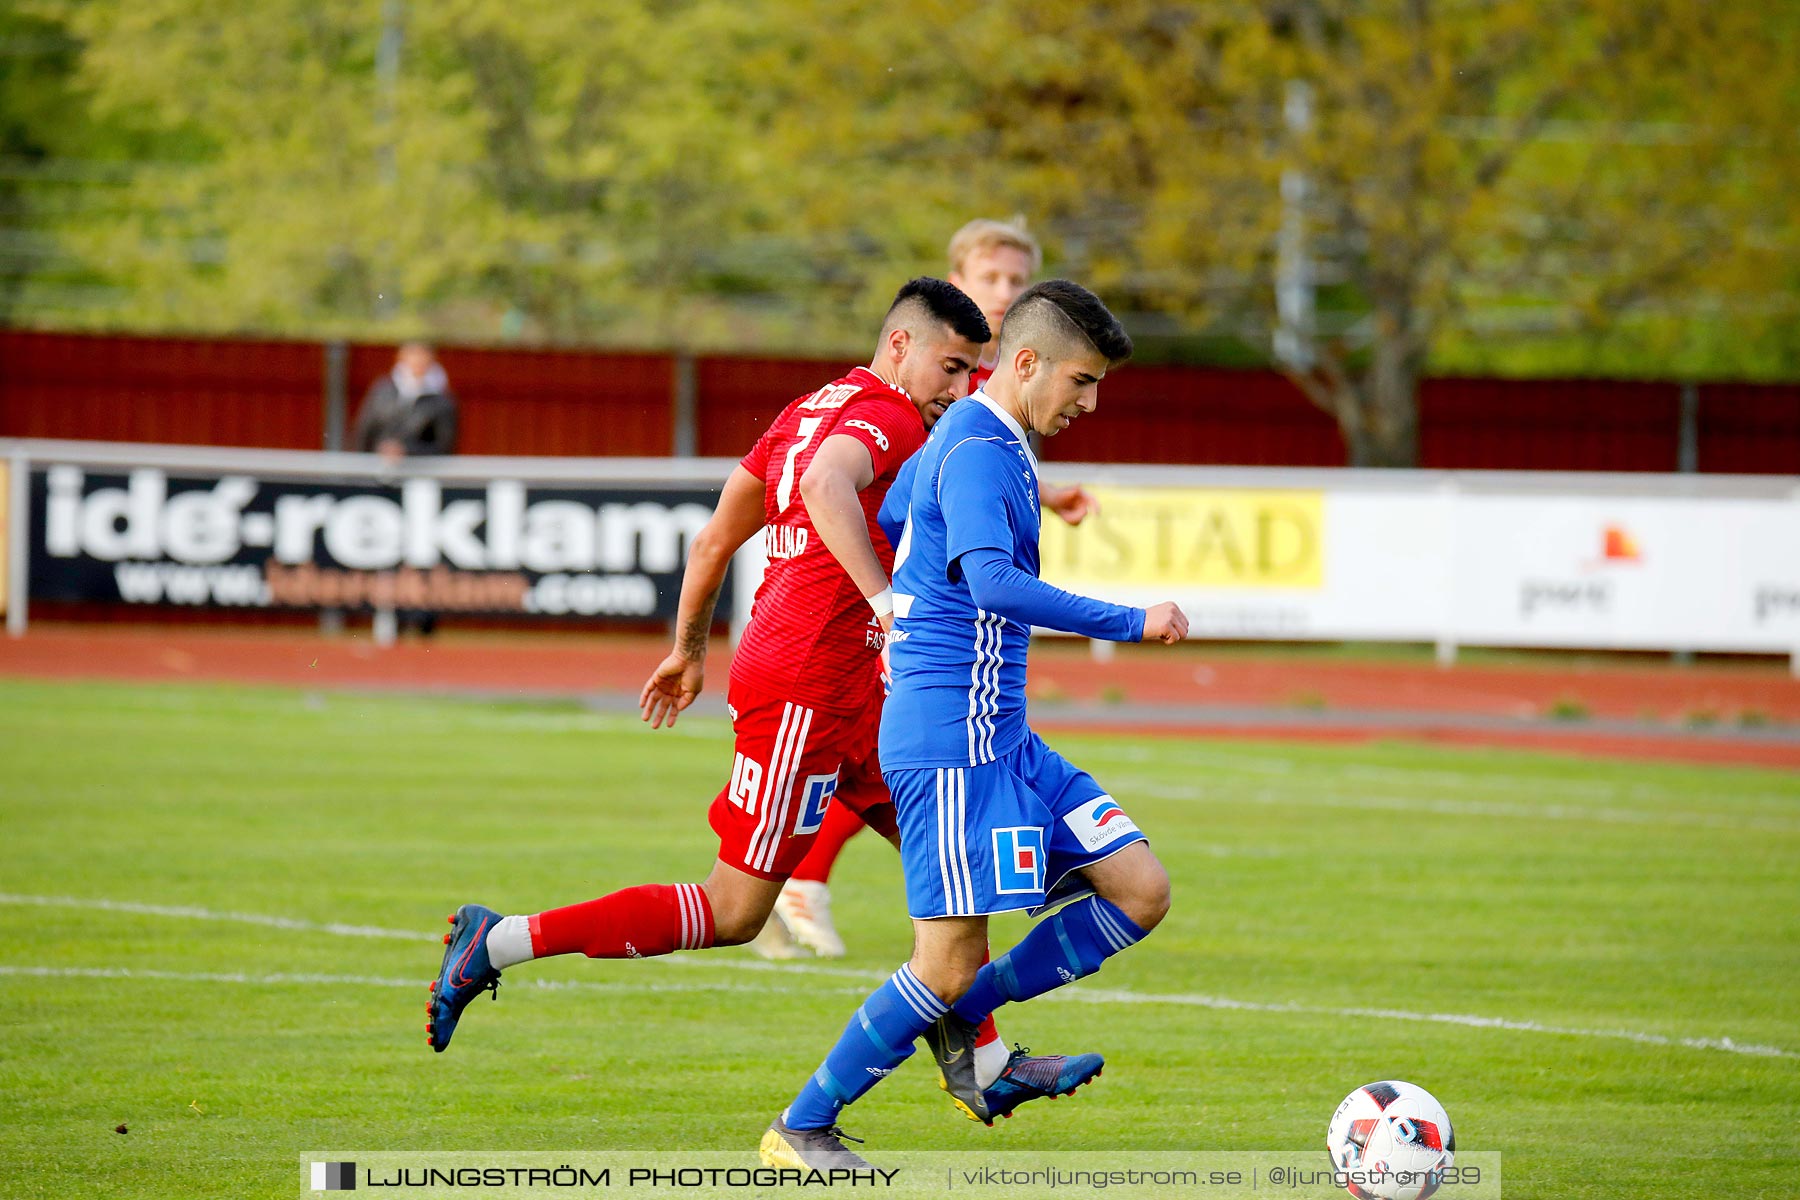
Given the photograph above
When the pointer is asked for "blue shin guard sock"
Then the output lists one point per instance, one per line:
(1063, 947)
(878, 1038)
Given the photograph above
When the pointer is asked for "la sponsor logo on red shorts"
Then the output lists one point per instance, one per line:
(1099, 823)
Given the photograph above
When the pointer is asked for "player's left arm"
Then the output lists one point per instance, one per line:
(679, 678)
(1074, 504)
(842, 467)
(980, 540)
(997, 586)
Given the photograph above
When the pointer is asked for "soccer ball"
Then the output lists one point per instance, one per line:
(1390, 1141)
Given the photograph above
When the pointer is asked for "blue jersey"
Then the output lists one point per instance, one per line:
(959, 671)
(892, 517)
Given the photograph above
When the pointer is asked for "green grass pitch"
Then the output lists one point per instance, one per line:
(1633, 929)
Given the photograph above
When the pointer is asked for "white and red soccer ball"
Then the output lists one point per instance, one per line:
(1390, 1141)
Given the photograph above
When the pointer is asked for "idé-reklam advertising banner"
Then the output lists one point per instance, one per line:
(153, 537)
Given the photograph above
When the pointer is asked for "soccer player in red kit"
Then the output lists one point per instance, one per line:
(805, 688)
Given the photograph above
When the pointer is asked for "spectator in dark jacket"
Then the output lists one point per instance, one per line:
(410, 410)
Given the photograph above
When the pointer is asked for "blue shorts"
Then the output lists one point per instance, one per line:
(1005, 835)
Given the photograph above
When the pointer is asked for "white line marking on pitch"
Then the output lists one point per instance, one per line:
(205, 914)
(1077, 993)
(1730, 1045)
(283, 978)
(335, 929)
(1362, 802)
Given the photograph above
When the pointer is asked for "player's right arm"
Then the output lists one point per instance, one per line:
(842, 468)
(679, 678)
(869, 440)
(1074, 504)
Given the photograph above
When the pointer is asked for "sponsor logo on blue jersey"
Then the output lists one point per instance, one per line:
(1019, 859)
(1099, 823)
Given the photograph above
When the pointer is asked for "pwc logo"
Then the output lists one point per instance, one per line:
(1618, 546)
(1589, 593)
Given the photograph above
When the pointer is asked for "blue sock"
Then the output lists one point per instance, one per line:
(1062, 948)
(879, 1038)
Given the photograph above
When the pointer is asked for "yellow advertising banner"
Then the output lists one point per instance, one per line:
(1193, 537)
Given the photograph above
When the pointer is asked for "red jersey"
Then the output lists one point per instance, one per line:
(980, 376)
(812, 636)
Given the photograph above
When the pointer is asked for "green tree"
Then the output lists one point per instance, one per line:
(720, 172)
(1427, 170)
(61, 168)
(1505, 183)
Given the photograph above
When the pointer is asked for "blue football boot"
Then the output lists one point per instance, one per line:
(1029, 1077)
(465, 973)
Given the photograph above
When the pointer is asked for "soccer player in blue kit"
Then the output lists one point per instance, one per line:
(991, 819)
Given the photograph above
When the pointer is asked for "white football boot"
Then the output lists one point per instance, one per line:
(774, 944)
(804, 906)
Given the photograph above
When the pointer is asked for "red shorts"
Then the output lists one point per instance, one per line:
(792, 763)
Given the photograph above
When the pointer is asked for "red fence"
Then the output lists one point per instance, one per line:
(1557, 425)
(223, 393)
(269, 393)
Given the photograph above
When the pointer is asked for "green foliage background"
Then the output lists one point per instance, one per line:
(1509, 186)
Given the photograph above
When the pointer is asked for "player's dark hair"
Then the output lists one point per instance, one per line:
(943, 302)
(1057, 316)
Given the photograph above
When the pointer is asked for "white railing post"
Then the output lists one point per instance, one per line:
(18, 542)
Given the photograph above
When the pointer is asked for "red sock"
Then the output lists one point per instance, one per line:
(840, 826)
(638, 922)
(990, 1032)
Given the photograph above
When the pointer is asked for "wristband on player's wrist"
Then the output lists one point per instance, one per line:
(882, 603)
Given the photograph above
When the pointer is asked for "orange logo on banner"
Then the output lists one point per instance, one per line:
(1620, 546)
